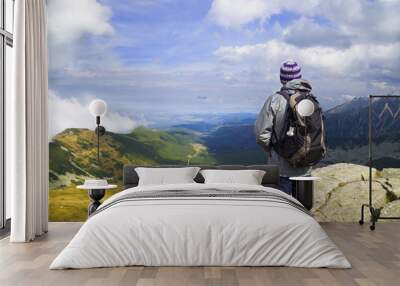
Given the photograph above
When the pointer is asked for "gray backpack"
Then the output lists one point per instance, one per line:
(303, 140)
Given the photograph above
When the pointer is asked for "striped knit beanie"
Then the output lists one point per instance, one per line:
(290, 70)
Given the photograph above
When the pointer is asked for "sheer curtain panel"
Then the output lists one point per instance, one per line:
(28, 157)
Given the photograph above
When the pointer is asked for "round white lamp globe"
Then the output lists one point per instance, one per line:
(98, 107)
(305, 108)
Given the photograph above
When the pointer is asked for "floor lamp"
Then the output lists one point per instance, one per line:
(98, 108)
(96, 188)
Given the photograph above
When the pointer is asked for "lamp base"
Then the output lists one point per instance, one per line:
(95, 196)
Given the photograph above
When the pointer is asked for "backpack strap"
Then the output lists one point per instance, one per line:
(285, 95)
(276, 138)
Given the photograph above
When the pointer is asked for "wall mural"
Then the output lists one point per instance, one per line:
(184, 81)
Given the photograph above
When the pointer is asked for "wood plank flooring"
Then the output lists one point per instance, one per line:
(375, 257)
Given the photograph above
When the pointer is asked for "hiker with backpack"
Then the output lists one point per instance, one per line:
(293, 142)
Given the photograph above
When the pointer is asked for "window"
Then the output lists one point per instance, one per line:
(6, 43)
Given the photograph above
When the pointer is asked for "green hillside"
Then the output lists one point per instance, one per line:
(73, 158)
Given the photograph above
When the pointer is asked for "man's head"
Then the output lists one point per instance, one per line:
(290, 70)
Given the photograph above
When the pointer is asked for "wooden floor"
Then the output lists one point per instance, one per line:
(375, 257)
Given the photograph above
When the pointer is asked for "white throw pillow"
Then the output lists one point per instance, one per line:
(248, 177)
(165, 176)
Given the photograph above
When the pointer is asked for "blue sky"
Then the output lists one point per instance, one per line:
(178, 32)
(161, 61)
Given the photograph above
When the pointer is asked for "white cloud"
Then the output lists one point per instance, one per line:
(363, 21)
(316, 35)
(353, 61)
(380, 85)
(71, 113)
(347, 97)
(69, 20)
(237, 13)
(332, 71)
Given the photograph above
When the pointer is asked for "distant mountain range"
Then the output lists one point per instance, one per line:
(347, 124)
(233, 142)
(347, 132)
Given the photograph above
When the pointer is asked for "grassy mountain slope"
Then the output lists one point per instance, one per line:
(74, 151)
(73, 158)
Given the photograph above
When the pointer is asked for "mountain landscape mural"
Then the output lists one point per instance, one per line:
(184, 81)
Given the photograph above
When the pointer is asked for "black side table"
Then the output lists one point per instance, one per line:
(304, 190)
(95, 194)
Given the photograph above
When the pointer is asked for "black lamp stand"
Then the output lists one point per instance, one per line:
(96, 194)
(100, 131)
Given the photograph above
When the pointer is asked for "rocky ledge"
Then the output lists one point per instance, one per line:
(343, 188)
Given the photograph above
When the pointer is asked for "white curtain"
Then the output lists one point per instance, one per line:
(28, 150)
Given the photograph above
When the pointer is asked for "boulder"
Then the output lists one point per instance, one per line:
(343, 203)
(343, 188)
(392, 209)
